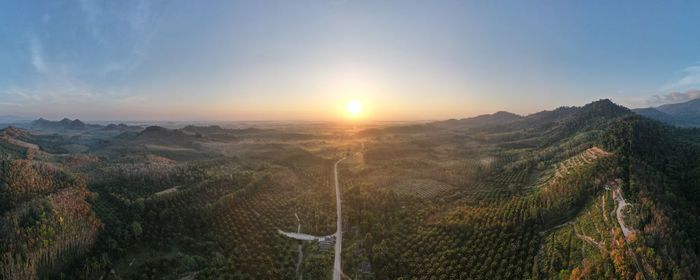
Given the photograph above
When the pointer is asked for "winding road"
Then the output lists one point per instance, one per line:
(621, 204)
(337, 268)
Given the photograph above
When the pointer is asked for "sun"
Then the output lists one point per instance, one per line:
(354, 108)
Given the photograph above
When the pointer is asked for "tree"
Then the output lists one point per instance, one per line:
(136, 229)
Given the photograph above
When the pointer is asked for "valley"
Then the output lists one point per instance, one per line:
(498, 196)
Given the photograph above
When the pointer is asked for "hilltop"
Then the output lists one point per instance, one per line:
(122, 127)
(498, 118)
(65, 123)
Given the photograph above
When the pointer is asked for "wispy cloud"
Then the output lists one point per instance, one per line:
(22, 94)
(690, 78)
(9, 104)
(55, 82)
(129, 48)
(36, 53)
(659, 99)
(55, 91)
(674, 97)
(121, 48)
(684, 88)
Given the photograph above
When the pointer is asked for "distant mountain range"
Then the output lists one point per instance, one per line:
(77, 124)
(556, 124)
(65, 123)
(595, 109)
(686, 114)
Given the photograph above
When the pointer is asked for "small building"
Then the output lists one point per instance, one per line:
(326, 243)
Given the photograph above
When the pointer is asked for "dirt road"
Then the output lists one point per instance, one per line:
(337, 268)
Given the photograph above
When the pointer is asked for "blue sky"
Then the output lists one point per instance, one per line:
(302, 60)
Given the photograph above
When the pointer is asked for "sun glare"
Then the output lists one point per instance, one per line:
(354, 108)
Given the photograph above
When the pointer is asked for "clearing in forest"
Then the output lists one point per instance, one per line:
(584, 158)
(567, 166)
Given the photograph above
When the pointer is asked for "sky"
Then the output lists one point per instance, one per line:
(303, 60)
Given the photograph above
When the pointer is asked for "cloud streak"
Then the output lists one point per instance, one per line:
(55, 83)
(674, 97)
(680, 90)
(689, 79)
(36, 55)
(126, 50)
(121, 47)
(9, 104)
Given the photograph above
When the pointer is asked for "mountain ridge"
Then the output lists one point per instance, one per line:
(683, 114)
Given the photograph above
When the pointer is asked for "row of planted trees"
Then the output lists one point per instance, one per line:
(46, 222)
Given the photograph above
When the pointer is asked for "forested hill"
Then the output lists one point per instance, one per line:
(660, 170)
(620, 202)
(568, 118)
(45, 219)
